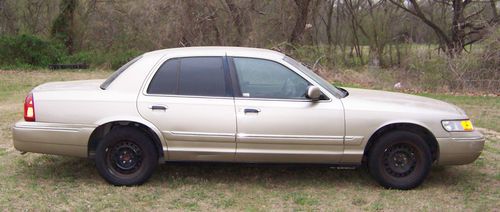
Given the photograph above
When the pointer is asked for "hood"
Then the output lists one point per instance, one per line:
(392, 101)
(70, 85)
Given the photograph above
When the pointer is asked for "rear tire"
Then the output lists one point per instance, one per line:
(400, 160)
(126, 157)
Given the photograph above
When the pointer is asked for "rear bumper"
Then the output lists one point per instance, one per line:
(52, 138)
(460, 148)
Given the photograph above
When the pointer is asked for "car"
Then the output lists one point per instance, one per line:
(243, 105)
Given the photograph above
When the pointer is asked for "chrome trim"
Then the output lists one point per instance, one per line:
(47, 128)
(202, 150)
(186, 133)
(468, 139)
(313, 137)
(306, 153)
(353, 140)
(282, 100)
(188, 96)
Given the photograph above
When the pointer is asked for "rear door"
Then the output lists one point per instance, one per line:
(190, 100)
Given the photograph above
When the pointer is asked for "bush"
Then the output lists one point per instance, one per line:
(112, 59)
(117, 59)
(28, 51)
(472, 71)
(80, 57)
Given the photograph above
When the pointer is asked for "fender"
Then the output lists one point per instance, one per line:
(138, 120)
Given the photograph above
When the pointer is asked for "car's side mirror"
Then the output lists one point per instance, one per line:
(313, 93)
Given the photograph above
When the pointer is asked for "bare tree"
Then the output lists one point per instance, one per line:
(301, 21)
(63, 27)
(464, 30)
(237, 17)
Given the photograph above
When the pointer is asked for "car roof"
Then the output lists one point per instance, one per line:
(218, 51)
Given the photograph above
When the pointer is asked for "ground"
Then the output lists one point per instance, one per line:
(43, 182)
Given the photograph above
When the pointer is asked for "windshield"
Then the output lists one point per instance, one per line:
(117, 73)
(325, 84)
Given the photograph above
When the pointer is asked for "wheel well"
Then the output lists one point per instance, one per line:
(104, 129)
(417, 129)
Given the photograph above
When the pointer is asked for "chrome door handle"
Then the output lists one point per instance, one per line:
(251, 110)
(158, 107)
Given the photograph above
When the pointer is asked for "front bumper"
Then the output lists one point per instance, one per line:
(460, 148)
(52, 138)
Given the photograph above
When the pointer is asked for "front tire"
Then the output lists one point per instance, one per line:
(400, 160)
(126, 157)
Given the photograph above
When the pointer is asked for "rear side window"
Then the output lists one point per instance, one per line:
(196, 76)
(117, 73)
(165, 79)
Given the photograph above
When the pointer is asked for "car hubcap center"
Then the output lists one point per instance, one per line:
(126, 156)
(399, 160)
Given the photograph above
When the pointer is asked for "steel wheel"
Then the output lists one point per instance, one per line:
(126, 156)
(400, 160)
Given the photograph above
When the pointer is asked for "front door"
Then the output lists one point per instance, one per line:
(191, 102)
(275, 120)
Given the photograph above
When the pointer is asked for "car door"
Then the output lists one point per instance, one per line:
(191, 102)
(275, 120)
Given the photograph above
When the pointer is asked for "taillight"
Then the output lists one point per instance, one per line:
(29, 108)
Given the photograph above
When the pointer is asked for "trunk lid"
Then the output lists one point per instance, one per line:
(70, 85)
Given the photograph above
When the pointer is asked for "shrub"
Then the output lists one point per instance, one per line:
(86, 57)
(28, 50)
(117, 59)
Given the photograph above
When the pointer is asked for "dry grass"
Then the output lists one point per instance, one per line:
(42, 182)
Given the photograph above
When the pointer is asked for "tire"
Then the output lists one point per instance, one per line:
(126, 157)
(400, 160)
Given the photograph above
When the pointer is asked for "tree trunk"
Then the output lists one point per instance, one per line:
(457, 42)
(63, 26)
(330, 54)
(300, 23)
(187, 23)
(329, 24)
(235, 13)
(494, 8)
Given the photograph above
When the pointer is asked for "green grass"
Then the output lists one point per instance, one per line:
(44, 182)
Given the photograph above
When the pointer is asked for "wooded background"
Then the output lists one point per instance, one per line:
(427, 44)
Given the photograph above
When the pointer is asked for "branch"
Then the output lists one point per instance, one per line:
(474, 14)
(445, 2)
(419, 14)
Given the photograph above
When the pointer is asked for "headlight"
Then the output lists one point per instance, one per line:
(457, 125)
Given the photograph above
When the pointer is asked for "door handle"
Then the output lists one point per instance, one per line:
(158, 107)
(251, 110)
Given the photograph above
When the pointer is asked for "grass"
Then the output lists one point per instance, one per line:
(44, 182)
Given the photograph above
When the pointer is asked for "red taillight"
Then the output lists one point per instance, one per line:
(29, 108)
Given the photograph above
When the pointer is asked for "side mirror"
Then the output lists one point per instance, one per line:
(313, 93)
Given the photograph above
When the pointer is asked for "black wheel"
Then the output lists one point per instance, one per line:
(126, 156)
(400, 160)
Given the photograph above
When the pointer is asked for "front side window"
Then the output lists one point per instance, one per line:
(260, 78)
(196, 76)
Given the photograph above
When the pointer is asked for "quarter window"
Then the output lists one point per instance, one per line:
(260, 78)
(197, 76)
(165, 79)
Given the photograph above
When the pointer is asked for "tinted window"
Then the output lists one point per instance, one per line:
(117, 73)
(202, 76)
(165, 79)
(267, 79)
(198, 76)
